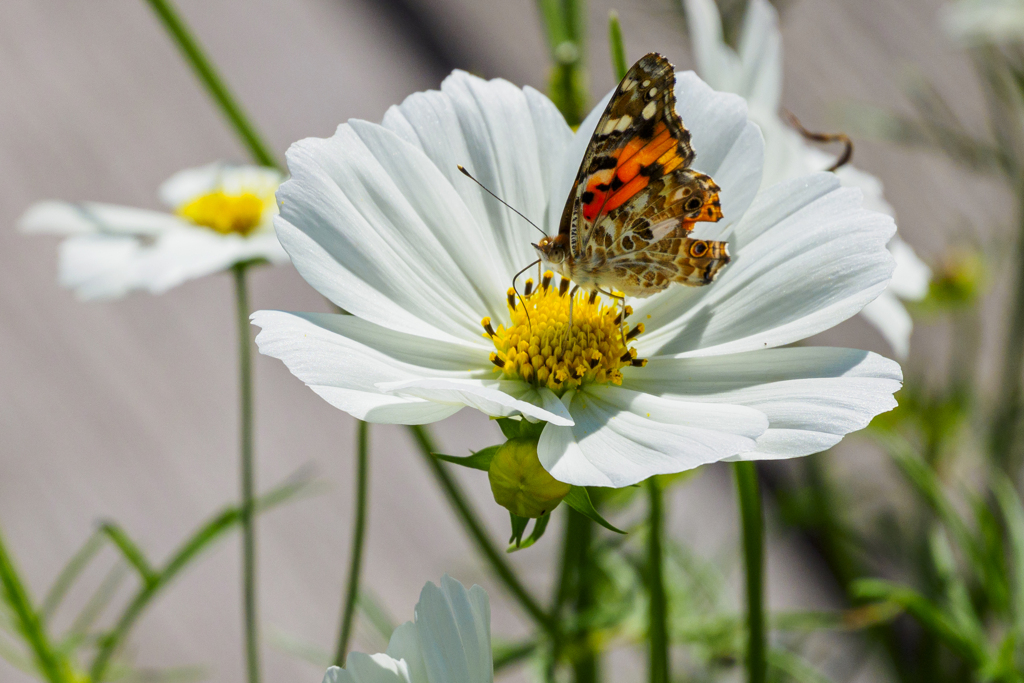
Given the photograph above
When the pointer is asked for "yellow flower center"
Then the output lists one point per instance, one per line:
(541, 347)
(225, 213)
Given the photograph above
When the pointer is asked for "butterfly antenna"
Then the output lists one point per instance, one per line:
(529, 323)
(510, 207)
(843, 159)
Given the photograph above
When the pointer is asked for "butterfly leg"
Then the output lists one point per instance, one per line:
(622, 306)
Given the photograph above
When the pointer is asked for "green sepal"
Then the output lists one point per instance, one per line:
(518, 529)
(579, 500)
(481, 460)
(520, 429)
(538, 530)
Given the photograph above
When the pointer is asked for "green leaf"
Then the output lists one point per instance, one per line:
(71, 571)
(1013, 512)
(508, 426)
(579, 500)
(538, 530)
(619, 64)
(130, 550)
(481, 460)
(518, 528)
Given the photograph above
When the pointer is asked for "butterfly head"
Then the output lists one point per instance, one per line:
(554, 252)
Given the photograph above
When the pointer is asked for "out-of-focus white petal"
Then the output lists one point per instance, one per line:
(892, 321)
(344, 358)
(760, 51)
(99, 267)
(812, 396)
(492, 397)
(455, 633)
(717, 63)
(728, 147)
(911, 277)
(66, 218)
(984, 21)
(188, 184)
(806, 257)
(360, 668)
(405, 645)
(623, 436)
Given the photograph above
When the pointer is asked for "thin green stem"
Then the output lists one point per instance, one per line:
(1008, 408)
(470, 520)
(358, 536)
(199, 541)
(214, 84)
(248, 475)
(586, 664)
(658, 610)
(749, 493)
(29, 622)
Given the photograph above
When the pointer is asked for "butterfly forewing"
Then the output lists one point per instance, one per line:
(636, 197)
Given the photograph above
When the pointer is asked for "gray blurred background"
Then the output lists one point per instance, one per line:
(127, 410)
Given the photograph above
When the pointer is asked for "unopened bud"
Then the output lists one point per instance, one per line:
(520, 483)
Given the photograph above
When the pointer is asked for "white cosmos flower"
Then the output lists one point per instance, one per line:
(223, 215)
(380, 221)
(755, 73)
(984, 21)
(449, 642)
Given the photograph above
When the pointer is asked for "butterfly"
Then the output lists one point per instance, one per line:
(635, 200)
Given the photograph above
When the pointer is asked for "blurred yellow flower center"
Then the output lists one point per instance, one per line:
(225, 213)
(541, 347)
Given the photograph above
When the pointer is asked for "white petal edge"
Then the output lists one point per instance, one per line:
(892, 321)
(496, 398)
(454, 626)
(363, 668)
(190, 183)
(812, 396)
(67, 218)
(621, 437)
(343, 358)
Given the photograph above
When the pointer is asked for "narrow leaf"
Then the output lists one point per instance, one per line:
(130, 550)
(619, 64)
(69, 573)
(579, 500)
(481, 460)
(518, 528)
(538, 530)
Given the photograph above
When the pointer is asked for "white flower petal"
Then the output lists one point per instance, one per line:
(362, 668)
(188, 184)
(510, 139)
(812, 396)
(984, 21)
(492, 397)
(717, 63)
(393, 241)
(405, 645)
(343, 358)
(911, 278)
(891, 320)
(454, 626)
(806, 258)
(99, 267)
(622, 436)
(65, 218)
(728, 147)
(760, 52)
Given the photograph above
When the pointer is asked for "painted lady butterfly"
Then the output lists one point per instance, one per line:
(636, 199)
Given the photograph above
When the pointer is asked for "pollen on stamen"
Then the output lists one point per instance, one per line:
(540, 347)
(528, 288)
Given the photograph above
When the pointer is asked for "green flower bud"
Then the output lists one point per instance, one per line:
(519, 482)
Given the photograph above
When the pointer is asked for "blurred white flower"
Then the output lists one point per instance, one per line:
(379, 220)
(755, 73)
(449, 642)
(223, 215)
(984, 21)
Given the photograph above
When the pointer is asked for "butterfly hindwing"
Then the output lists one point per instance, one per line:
(635, 188)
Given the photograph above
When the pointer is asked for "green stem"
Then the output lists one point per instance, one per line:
(201, 539)
(248, 475)
(618, 48)
(1008, 408)
(658, 610)
(29, 622)
(216, 87)
(586, 664)
(470, 520)
(358, 536)
(749, 493)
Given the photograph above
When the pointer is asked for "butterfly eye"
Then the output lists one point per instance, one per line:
(694, 203)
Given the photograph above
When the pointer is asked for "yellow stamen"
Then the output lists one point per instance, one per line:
(225, 213)
(540, 347)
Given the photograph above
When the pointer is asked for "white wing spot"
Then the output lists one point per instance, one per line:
(629, 84)
(646, 83)
(624, 122)
(652, 92)
(650, 110)
(609, 126)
